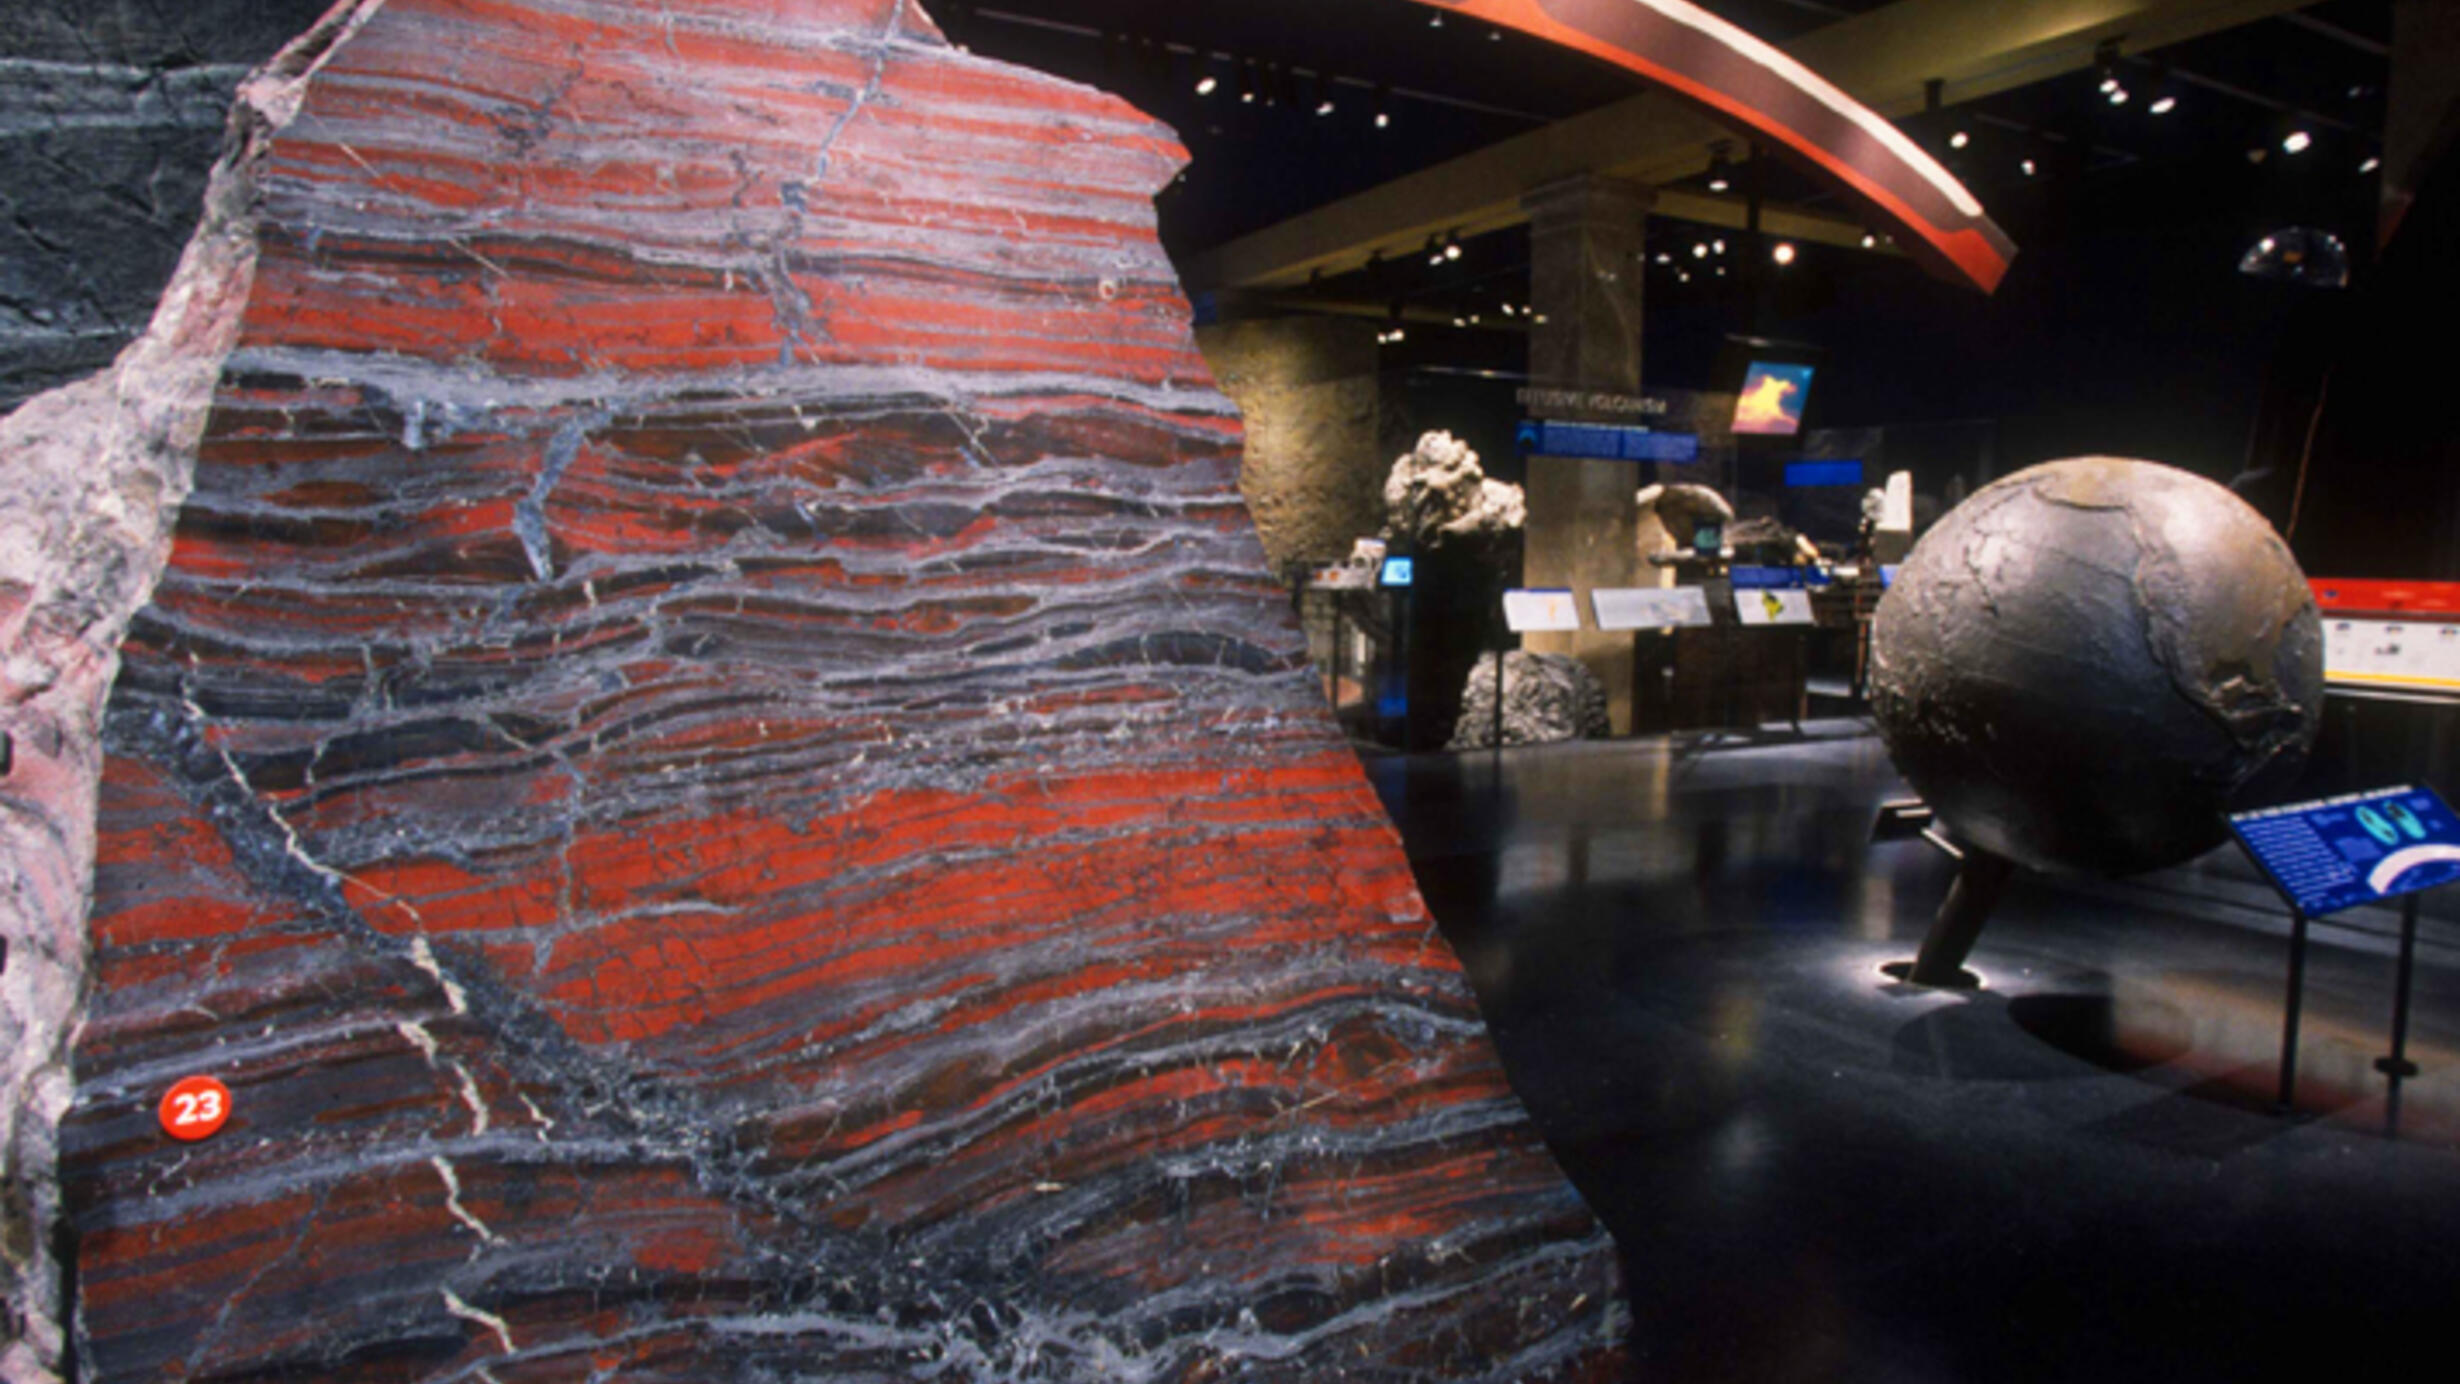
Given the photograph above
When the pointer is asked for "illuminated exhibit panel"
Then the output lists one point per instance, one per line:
(2394, 636)
(719, 779)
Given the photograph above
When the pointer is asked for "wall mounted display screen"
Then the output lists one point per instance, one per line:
(1772, 398)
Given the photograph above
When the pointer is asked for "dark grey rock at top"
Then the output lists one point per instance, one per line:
(111, 115)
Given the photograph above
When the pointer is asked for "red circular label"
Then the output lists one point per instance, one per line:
(195, 1108)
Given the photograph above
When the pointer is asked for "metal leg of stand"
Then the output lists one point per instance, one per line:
(2289, 1015)
(2398, 1064)
(1499, 655)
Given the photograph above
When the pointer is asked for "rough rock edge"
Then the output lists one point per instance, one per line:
(96, 474)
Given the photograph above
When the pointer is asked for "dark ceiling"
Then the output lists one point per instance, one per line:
(2122, 327)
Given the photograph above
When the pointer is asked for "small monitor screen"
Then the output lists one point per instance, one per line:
(1399, 571)
(1771, 402)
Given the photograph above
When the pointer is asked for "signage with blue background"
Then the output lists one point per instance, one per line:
(1605, 442)
(2343, 852)
(1776, 578)
(1814, 474)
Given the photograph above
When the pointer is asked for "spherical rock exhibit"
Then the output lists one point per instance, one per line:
(2081, 666)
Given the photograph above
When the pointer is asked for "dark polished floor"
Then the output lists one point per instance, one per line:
(1817, 1174)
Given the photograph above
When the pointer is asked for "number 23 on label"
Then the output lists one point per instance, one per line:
(195, 1108)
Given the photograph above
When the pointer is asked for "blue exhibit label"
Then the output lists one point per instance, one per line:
(2342, 852)
(1809, 474)
(1605, 442)
(1777, 578)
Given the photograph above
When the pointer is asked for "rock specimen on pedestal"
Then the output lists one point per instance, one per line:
(2081, 667)
(1546, 698)
(716, 770)
(1438, 493)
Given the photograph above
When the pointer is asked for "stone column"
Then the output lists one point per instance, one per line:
(1586, 236)
(1308, 391)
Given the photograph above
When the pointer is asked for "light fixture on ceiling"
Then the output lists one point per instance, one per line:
(1869, 241)
(1699, 250)
(1383, 107)
(2163, 106)
(1207, 84)
(2118, 96)
(1959, 140)
(2297, 142)
(2370, 165)
(1717, 245)
(2030, 168)
(1783, 253)
(1720, 169)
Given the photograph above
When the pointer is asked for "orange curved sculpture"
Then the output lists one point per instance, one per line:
(1744, 81)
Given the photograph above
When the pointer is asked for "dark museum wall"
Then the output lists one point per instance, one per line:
(111, 114)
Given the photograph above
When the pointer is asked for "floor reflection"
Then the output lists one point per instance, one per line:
(1816, 1173)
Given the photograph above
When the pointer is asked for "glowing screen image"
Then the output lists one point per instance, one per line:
(1772, 398)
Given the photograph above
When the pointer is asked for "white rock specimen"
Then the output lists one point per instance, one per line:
(1438, 493)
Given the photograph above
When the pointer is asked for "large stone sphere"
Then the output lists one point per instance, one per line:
(2079, 666)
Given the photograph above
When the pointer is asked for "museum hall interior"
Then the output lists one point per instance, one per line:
(1286, 690)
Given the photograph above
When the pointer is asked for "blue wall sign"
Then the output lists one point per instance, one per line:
(1605, 442)
(1804, 474)
(1776, 578)
(2342, 852)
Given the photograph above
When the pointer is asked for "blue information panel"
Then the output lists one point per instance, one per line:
(1605, 442)
(2343, 852)
(1777, 578)
(1807, 474)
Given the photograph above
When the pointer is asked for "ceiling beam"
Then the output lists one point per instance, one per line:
(1882, 58)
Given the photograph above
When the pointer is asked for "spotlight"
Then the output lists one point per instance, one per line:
(2108, 83)
(1383, 120)
(2118, 96)
(1664, 258)
(1783, 253)
(1721, 271)
(1452, 251)
(1959, 140)
(2297, 142)
(1460, 321)
(2030, 168)
(1700, 250)
(2258, 154)
(1720, 169)
(1717, 245)
(1323, 108)
(2372, 163)
(1494, 36)
(1383, 107)
(2163, 106)
(1869, 241)
(1323, 93)
(1435, 21)
(1207, 85)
